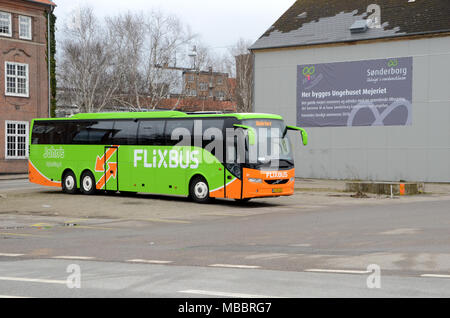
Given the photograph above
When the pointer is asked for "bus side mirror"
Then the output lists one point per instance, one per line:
(251, 137)
(250, 133)
(302, 132)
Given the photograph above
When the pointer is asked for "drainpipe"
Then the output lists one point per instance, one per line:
(253, 58)
(49, 62)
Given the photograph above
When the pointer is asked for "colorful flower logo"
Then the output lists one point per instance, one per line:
(308, 71)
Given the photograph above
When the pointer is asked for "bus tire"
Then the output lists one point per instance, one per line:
(199, 190)
(69, 183)
(87, 183)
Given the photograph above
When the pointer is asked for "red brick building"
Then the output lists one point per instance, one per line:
(24, 88)
(207, 85)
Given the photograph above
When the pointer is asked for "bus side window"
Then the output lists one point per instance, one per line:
(125, 132)
(179, 127)
(100, 132)
(151, 132)
(212, 131)
(90, 133)
(59, 133)
(72, 131)
(81, 134)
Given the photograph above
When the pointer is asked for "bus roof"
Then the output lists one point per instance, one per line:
(166, 114)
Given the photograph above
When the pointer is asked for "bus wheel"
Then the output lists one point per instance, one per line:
(69, 183)
(199, 190)
(87, 183)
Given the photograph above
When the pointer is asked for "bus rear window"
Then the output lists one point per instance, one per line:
(49, 134)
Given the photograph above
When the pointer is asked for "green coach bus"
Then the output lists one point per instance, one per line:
(201, 155)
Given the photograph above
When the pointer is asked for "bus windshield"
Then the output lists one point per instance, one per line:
(272, 146)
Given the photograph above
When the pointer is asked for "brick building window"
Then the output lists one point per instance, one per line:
(16, 79)
(203, 86)
(25, 31)
(16, 145)
(5, 24)
(220, 94)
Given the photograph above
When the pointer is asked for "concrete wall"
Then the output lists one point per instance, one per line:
(420, 152)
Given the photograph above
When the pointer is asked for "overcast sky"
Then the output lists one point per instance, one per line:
(219, 23)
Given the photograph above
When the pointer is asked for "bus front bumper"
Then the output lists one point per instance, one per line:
(259, 183)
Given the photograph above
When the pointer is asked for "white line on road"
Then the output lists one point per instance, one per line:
(337, 271)
(82, 258)
(34, 280)
(435, 276)
(222, 294)
(148, 261)
(10, 255)
(235, 266)
(9, 296)
(300, 245)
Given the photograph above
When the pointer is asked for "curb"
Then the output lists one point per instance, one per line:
(22, 177)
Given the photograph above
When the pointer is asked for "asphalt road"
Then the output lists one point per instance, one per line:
(17, 185)
(281, 248)
(48, 278)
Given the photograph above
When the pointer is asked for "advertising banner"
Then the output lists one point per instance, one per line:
(360, 93)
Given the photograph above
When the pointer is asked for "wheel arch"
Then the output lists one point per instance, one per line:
(83, 171)
(196, 175)
(87, 170)
(66, 170)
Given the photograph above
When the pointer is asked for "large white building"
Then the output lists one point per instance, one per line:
(369, 80)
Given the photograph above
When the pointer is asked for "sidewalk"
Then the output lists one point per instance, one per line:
(324, 185)
(13, 176)
(319, 185)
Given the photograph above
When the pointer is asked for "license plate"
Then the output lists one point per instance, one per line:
(277, 190)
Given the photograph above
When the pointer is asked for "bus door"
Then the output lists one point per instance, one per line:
(233, 173)
(111, 166)
(212, 137)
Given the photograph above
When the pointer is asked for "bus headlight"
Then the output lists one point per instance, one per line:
(292, 179)
(254, 180)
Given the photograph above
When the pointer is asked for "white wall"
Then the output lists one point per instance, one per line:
(420, 152)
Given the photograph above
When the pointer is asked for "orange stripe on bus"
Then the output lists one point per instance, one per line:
(110, 173)
(35, 176)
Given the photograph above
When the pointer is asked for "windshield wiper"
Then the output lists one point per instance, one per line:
(291, 162)
(269, 163)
